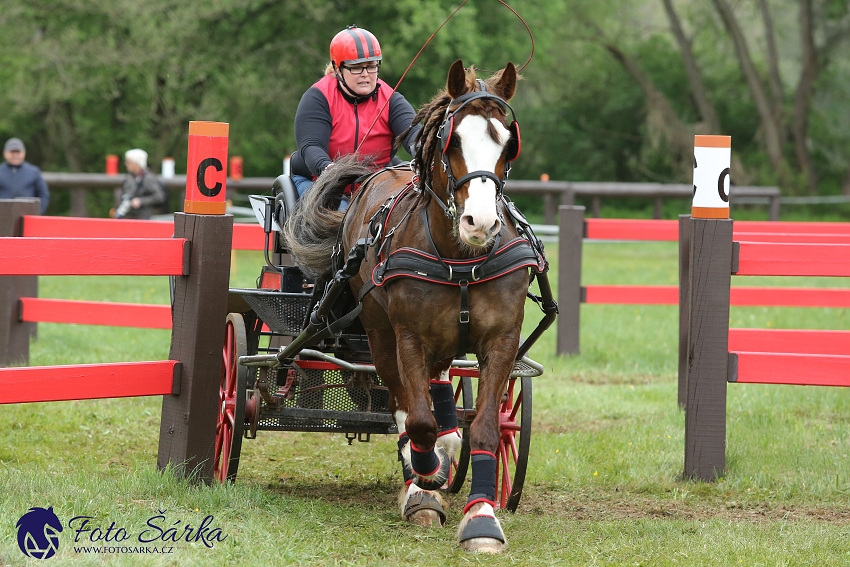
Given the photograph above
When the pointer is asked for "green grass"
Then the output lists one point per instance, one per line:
(604, 485)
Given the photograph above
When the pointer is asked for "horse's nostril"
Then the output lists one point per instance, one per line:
(469, 221)
(496, 227)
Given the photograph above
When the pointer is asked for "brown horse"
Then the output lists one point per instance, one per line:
(443, 274)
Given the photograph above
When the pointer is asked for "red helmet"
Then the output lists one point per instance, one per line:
(354, 45)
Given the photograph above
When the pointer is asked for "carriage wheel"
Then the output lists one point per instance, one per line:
(231, 398)
(463, 400)
(514, 442)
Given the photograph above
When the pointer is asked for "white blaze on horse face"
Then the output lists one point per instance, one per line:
(480, 220)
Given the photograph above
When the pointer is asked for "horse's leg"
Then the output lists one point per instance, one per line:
(445, 408)
(429, 462)
(417, 506)
(480, 530)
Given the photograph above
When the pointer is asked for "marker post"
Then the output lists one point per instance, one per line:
(708, 310)
(199, 311)
(206, 170)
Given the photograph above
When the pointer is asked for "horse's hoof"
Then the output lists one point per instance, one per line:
(424, 509)
(483, 545)
(480, 531)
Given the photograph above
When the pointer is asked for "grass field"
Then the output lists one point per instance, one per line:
(605, 480)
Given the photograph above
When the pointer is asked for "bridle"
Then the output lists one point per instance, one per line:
(444, 135)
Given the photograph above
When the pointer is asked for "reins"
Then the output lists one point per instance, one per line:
(421, 49)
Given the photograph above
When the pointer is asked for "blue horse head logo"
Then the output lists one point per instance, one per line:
(38, 533)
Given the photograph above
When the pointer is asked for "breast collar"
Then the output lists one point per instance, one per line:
(521, 252)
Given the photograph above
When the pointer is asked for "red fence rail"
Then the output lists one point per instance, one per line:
(94, 256)
(42, 310)
(245, 236)
(89, 381)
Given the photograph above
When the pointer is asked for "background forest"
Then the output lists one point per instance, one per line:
(615, 91)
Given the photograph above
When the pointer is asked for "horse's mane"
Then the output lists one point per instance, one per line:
(431, 116)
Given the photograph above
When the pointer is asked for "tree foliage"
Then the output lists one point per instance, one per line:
(615, 91)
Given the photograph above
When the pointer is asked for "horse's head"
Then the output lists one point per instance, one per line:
(473, 145)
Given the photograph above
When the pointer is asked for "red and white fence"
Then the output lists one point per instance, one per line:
(198, 256)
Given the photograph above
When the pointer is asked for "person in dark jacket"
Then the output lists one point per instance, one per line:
(19, 178)
(335, 114)
(142, 192)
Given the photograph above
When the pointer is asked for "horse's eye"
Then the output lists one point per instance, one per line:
(454, 142)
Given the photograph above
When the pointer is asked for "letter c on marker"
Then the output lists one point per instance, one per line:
(202, 168)
(721, 185)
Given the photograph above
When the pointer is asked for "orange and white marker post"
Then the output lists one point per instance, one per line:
(712, 157)
(206, 169)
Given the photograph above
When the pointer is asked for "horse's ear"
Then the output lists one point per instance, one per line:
(456, 84)
(506, 86)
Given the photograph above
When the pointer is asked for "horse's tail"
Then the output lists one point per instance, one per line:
(311, 231)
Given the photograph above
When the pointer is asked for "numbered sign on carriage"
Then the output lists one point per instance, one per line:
(206, 168)
(712, 156)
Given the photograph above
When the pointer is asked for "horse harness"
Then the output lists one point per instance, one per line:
(524, 251)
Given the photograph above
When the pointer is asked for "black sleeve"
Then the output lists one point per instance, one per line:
(401, 116)
(313, 131)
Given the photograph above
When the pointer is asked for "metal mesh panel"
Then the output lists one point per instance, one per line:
(328, 400)
(284, 313)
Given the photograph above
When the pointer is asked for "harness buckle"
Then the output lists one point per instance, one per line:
(474, 277)
(464, 317)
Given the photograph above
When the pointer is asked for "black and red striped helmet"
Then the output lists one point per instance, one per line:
(354, 45)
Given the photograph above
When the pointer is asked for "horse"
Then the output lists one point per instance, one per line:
(439, 270)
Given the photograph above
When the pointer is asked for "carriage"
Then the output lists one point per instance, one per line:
(296, 355)
(330, 384)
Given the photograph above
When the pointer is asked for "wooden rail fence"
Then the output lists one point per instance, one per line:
(198, 256)
(716, 354)
(574, 228)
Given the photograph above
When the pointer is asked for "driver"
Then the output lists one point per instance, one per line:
(337, 111)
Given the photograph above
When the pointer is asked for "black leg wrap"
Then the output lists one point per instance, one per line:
(445, 408)
(483, 479)
(405, 468)
(424, 463)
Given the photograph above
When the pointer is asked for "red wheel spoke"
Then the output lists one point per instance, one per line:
(506, 475)
(517, 406)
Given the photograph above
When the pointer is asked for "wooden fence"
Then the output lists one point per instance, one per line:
(574, 227)
(717, 354)
(198, 256)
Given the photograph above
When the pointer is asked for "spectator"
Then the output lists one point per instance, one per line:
(19, 178)
(142, 192)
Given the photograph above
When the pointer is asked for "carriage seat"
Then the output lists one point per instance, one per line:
(285, 197)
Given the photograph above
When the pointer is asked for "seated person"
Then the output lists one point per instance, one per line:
(337, 111)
